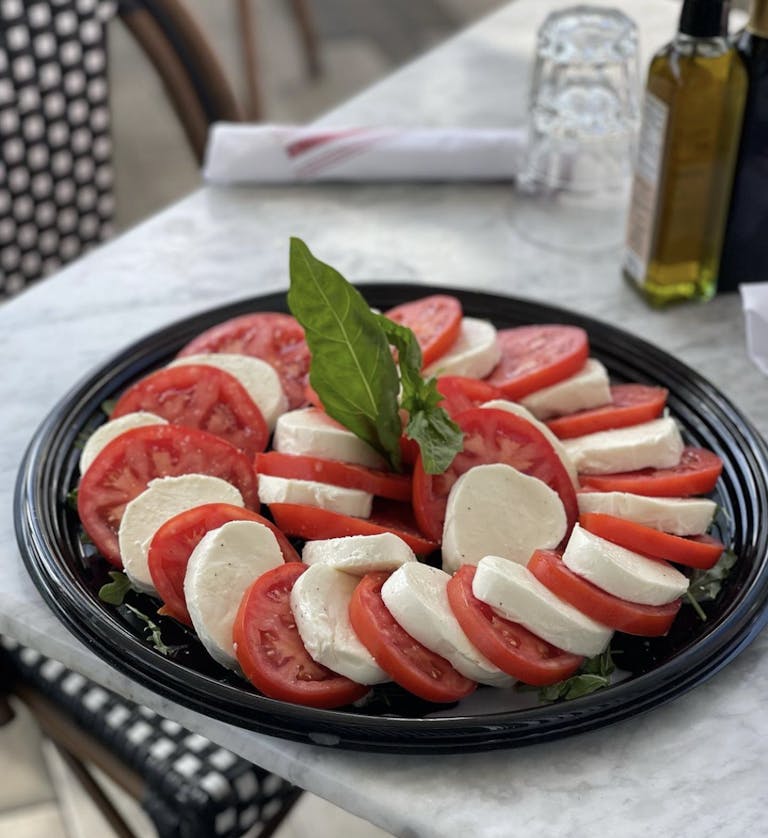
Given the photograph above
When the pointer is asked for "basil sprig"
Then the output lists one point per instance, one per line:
(353, 371)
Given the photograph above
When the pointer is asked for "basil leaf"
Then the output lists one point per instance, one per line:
(439, 438)
(107, 407)
(114, 592)
(352, 369)
(594, 674)
(153, 630)
(705, 585)
(71, 499)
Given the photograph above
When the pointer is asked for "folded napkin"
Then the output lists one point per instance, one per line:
(754, 299)
(242, 153)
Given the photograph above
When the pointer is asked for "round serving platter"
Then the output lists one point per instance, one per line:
(69, 576)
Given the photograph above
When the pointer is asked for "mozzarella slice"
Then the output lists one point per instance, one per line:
(105, 433)
(416, 595)
(474, 353)
(517, 595)
(320, 605)
(586, 389)
(622, 572)
(654, 444)
(679, 516)
(311, 431)
(496, 509)
(353, 502)
(161, 500)
(259, 379)
(519, 410)
(359, 554)
(222, 566)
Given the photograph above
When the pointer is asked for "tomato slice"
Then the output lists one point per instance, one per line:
(270, 651)
(700, 551)
(491, 436)
(630, 404)
(435, 321)
(125, 466)
(403, 658)
(173, 543)
(695, 474)
(274, 337)
(508, 645)
(304, 467)
(200, 396)
(533, 357)
(313, 523)
(619, 614)
(461, 393)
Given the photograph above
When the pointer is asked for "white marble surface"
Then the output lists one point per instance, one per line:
(693, 767)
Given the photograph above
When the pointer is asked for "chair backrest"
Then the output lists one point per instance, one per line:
(56, 176)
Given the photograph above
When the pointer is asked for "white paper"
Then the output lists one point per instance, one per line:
(754, 299)
(243, 153)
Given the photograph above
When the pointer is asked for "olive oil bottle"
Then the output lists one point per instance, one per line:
(745, 250)
(686, 154)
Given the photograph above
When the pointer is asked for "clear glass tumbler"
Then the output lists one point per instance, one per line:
(583, 117)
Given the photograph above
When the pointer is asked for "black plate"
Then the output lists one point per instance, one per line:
(655, 671)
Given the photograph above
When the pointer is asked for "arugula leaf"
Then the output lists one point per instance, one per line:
(705, 585)
(114, 592)
(594, 674)
(439, 438)
(153, 629)
(352, 367)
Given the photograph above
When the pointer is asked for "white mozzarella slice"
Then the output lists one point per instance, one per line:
(320, 605)
(162, 499)
(352, 502)
(359, 554)
(222, 566)
(417, 597)
(105, 433)
(654, 444)
(586, 389)
(517, 595)
(311, 431)
(496, 509)
(259, 379)
(679, 516)
(622, 572)
(474, 353)
(519, 410)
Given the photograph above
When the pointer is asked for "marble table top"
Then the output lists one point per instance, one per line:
(693, 767)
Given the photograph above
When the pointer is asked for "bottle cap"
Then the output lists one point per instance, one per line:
(704, 18)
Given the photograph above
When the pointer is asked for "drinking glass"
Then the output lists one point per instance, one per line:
(583, 118)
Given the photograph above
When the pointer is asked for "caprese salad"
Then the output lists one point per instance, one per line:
(342, 498)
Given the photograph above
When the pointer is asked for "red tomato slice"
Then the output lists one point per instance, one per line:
(351, 476)
(270, 651)
(701, 551)
(435, 321)
(491, 436)
(173, 543)
(203, 397)
(274, 337)
(313, 523)
(404, 659)
(508, 645)
(533, 357)
(619, 614)
(461, 393)
(695, 474)
(125, 466)
(630, 404)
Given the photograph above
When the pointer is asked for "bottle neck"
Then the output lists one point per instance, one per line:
(704, 18)
(758, 18)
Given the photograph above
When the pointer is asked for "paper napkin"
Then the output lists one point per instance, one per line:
(243, 153)
(754, 299)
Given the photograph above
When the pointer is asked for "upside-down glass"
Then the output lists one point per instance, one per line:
(583, 117)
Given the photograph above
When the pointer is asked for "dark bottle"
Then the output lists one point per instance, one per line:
(745, 249)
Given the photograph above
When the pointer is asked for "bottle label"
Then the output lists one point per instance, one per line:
(645, 187)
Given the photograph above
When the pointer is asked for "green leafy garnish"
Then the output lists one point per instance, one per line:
(108, 406)
(594, 674)
(71, 499)
(114, 592)
(81, 439)
(153, 629)
(705, 585)
(353, 371)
